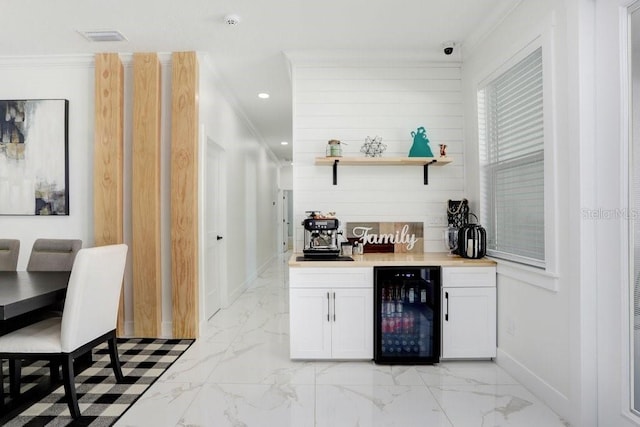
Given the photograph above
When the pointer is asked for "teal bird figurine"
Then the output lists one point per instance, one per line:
(420, 147)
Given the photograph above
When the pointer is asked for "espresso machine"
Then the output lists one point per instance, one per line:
(321, 237)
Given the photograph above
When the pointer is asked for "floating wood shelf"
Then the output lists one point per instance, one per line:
(383, 161)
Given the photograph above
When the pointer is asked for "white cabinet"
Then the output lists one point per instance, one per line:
(309, 323)
(468, 312)
(331, 313)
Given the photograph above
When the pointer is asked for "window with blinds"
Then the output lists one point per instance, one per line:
(511, 130)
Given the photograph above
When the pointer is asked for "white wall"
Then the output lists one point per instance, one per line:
(546, 326)
(252, 184)
(350, 101)
(61, 78)
(286, 177)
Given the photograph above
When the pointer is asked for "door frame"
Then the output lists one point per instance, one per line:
(613, 303)
(285, 218)
(207, 144)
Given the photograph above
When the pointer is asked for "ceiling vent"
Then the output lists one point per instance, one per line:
(103, 36)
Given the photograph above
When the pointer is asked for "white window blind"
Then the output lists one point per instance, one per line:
(511, 129)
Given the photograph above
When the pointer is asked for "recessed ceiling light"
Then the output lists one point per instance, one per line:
(103, 36)
(263, 95)
(284, 143)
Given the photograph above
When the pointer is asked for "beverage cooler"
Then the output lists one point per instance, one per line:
(407, 315)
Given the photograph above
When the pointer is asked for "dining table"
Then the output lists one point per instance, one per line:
(24, 292)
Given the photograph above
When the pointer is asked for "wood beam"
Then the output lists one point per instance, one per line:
(145, 200)
(184, 194)
(108, 156)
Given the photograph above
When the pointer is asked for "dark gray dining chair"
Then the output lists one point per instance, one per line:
(9, 250)
(53, 254)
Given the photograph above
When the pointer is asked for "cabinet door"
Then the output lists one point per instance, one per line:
(309, 323)
(352, 323)
(468, 323)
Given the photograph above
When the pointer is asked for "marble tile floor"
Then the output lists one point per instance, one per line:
(239, 374)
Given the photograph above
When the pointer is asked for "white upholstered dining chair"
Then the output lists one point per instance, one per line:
(9, 251)
(88, 319)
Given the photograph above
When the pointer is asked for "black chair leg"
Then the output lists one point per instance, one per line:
(115, 360)
(54, 371)
(15, 368)
(69, 378)
(1, 384)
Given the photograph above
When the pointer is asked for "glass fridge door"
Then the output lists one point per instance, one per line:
(407, 315)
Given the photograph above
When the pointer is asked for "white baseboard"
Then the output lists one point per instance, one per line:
(128, 329)
(166, 329)
(233, 296)
(536, 385)
(165, 332)
(245, 285)
(267, 264)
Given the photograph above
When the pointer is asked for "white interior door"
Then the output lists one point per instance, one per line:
(214, 265)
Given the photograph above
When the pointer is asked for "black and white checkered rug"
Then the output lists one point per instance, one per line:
(102, 401)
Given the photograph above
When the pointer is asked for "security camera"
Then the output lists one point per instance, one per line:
(232, 19)
(448, 47)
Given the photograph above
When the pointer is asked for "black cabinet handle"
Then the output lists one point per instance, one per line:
(446, 315)
(219, 238)
(328, 308)
(334, 306)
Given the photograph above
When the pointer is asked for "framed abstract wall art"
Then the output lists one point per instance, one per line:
(34, 157)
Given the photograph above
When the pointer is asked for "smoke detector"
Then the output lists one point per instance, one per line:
(232, 19)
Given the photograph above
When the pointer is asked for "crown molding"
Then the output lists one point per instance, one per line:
(65, 61)
(373, 58)
(207, 61)
(493, 21)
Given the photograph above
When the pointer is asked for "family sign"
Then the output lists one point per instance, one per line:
(387, 236)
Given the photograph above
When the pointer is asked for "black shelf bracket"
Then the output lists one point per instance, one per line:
(426, 171)
(335, 172)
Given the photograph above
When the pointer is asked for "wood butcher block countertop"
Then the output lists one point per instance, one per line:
(396, 259)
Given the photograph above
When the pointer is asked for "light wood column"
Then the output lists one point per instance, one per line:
(145, 203)
(184, 194)
(108, 155)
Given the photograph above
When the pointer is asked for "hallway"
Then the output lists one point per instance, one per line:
(239, 374)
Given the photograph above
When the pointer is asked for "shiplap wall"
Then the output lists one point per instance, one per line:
(349, 103)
